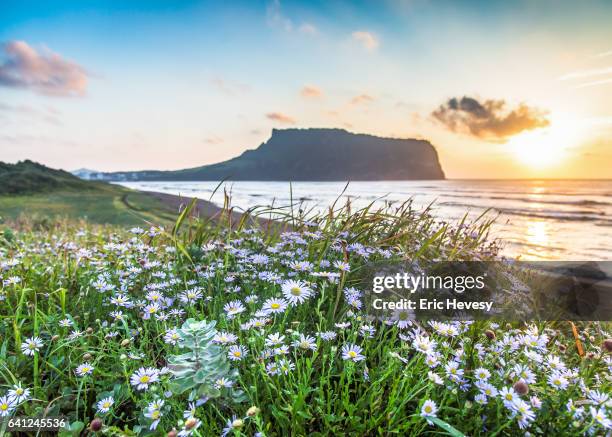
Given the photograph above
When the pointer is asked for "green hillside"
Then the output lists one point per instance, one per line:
(27, 177)
(31, 191)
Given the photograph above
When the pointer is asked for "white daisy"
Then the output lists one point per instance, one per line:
(237, 352)
(31, 345)
(7, 405)
(143, 377)
(84, 369)
(296, 292)
(429, 409)
(352, 352)
(274, 305)
(105, 404)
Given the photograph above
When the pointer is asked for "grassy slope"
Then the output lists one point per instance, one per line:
(33, 191)
(106, 204)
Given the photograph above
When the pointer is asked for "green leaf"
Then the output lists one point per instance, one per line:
(446, 427)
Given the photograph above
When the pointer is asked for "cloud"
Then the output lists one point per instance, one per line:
(213, 140)
(587, 73)
(368, 40)
(44, 72)
(594, 83)
(47, 114)
(489, 120)
(311, 91)
(276, 19)
(591, 73)
(280, 117)
(309, 29)
(229, 87)
(604, 54)
(362, 99)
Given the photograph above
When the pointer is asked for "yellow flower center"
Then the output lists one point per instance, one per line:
(352, 354)
(145, 378)
(296, 291)
(275, 306)
(428, 409)
(237, 353)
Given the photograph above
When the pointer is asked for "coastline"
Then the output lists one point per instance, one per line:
(207, 209)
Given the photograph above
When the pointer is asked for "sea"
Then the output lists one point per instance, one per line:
(566, 220)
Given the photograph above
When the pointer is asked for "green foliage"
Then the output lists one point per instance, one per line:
(197, 370)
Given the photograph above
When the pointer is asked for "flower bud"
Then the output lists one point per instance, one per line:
(237, 424)
(96, 425)
(253, 411)
(521, 387)
(490, 334)
(607, 345)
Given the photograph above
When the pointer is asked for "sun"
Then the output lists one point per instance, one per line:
(548, 146)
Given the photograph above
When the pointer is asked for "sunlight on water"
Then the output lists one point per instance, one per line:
(538, 233)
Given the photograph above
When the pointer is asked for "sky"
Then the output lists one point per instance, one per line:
(502, 89)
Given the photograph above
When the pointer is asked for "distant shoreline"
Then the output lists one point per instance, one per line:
(202, 208)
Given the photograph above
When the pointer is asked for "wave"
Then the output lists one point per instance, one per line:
(524, 192)
(584, 202)
(576, 215)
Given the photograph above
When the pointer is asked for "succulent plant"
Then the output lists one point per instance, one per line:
(202, 365)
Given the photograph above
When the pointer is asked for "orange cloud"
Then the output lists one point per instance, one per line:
(310, 91)
(368, 40)
(280, 117)
(45, 73)
(362, 98)
(489, 120)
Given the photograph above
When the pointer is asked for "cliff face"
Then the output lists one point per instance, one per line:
(315, 155)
